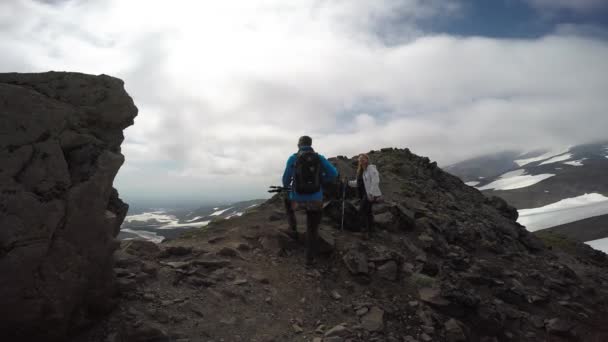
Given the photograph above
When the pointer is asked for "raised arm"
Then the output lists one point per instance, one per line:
(330, 172)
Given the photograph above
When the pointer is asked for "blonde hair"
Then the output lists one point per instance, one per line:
(360, 168)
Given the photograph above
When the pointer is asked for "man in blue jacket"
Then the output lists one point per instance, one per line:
(305, 172)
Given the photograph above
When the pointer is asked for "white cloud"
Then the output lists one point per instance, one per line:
(226, 88)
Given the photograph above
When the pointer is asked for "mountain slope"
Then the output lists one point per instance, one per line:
(551, 188)
(448, 264)
(159, 224)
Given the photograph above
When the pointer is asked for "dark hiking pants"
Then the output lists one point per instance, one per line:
(366, 214)
(313, 219)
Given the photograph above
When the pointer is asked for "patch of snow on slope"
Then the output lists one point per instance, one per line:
(159, 216)
(233, 215)
(600, 244)
(473, 183)
(564, 211)
(515, 180)
(174, 225)
(220, 212)
(575, 162)
(150, 236)
(522, 162)
(194, 219)
(559, 158)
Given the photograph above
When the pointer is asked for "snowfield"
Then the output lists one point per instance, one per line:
(600, 244)
(515, 180)
(575, 162)
(550, 154)
(564, 211)
(219, 212)
(557, 159)
(159, 216)
(473, 183)
(146, 235)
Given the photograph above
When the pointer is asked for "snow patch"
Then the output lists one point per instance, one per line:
(564, 211)
(599, 244)
(146, 235)
(220, 212)
(472, 183)
(194, 219)
(175, 224)
(233, 215)
(159, 216)
(557, 159)
(515, 180)
(575, 162)
(522, 162)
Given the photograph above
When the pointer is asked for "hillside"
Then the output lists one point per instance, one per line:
(158, 224)
(560, 187)
(448, 264)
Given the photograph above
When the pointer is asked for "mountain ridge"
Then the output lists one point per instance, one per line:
(448, 264)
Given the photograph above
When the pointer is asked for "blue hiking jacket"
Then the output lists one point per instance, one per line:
(328, 174)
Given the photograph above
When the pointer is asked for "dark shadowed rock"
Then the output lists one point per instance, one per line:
(60, 136)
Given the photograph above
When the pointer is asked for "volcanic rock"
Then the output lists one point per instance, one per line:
(60, 136)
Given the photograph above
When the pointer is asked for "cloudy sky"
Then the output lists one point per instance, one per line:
(225, 88)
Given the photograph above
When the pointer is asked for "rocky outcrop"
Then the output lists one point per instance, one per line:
(445, 264)
(60, 137)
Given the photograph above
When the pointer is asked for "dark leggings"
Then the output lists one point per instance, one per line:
(366, 214)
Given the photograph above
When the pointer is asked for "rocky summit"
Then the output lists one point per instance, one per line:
(60, 136)
(447, 264)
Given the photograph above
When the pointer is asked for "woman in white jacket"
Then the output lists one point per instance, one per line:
(368, 185)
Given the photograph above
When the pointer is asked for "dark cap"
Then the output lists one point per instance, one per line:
(305, 141)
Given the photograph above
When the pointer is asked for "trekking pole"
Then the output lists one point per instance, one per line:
(344, 184)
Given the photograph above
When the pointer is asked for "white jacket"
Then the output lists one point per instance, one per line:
(371, 180)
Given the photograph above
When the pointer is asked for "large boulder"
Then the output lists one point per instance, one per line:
(60, 137)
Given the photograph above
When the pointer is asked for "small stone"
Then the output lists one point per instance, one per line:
(362, 311)
(413, 303)
(373, 320)
(149, 296)
(558, 326)
(228, 320)
(335, 295)
(228, 252)
(453, 331)
(317, 339)
(240, 281)
(338, 330)
(268, 300)
(297, 328)
(388, 270)
(425, 337)
(320, 329)
(260, 278)
(333, 339)
(428, 329)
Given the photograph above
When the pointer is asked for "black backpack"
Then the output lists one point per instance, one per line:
(307, 172)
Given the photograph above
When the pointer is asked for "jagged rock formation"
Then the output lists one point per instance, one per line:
(448, 264)
(60, 136)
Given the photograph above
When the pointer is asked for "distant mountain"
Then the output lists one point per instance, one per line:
(562, 188)
(158, 224)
